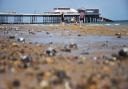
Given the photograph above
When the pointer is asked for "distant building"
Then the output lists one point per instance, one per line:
(89, 11)
(65, 10)
(91, 15)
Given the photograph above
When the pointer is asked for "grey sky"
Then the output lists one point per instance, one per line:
(113, 9)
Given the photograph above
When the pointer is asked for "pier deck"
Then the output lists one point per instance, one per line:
(44, 18)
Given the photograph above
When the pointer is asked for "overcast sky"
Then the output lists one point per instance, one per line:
(112, 9)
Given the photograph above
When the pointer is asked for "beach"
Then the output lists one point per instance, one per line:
(63, 56)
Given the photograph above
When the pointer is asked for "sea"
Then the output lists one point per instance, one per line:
(118, 23)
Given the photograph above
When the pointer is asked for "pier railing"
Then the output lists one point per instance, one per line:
(45, 18)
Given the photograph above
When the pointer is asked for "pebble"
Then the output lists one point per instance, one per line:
(85, 53)
(44, 84)
(73, 45)
(61, 74)
(123, 52)
(79, 35)
(94, 58)
(118, 35)
(12, 37)
(67, 85)
(26, 59)
(16, 83)
(47, 33)
(31, 32)
(81, 59)
(51, 51)
(55, 80)
(2, 69)
(66, 49)
(15, 44)
(21, 39)
(40, 76)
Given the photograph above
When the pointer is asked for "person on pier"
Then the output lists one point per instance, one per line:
(62, 19)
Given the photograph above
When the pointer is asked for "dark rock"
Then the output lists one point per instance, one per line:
(79, 35)
(118, 35)
(26, 59)
(123, 52)
(114, 82)
(73, 45)
(21, 39)
(12, 37)
(61, 74)
(59, 77)
(31, 32)
(85, 53)
(66, 50)
(51, 51)
(39, 76)
(47, 33)
(56, 81)
(50, 42)
(26, 65)
(16, 83)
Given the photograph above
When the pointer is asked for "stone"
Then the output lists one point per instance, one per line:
(73, 45)
(54, 80)
(47, 33)
(123, 52)
(16, 83)
(79, 35)
(40, 76)
(21, 39)
(81, 59)
(66, 49)
(94, 58)
(67, 85)
(50, 42)
(84, 53)
(51, 51)
(31, 32)
(118, 35)
(12, 37)
(26, 59)
(61, 74)
(44, 84)
(15, 44)
(2, 69)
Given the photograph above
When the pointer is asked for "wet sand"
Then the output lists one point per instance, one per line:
(89, 65)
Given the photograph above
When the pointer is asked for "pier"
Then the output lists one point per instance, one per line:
(91, 16)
